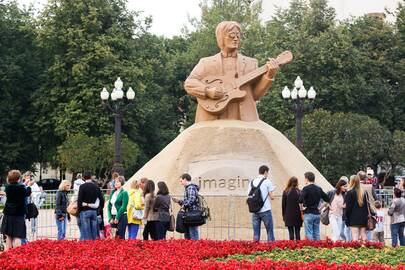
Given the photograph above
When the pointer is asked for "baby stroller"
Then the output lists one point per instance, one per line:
(2, 237)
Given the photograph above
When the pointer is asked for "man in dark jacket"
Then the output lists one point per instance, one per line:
(311, 195)
(87, 197)
(190, 202)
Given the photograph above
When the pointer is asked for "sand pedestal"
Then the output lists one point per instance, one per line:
(222, 156)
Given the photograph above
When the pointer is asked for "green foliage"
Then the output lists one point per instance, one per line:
(20, 67)
(396, 150)
(82, 152)
(339, 255)
(88, 45)
(342, 143)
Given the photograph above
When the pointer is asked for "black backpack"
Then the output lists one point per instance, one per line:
(31, 211)
(255, 200)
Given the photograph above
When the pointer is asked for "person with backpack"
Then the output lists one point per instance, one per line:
(189, 203)
(260, 192)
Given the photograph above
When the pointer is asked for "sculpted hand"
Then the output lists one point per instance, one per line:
(273, 67)
(215, 93)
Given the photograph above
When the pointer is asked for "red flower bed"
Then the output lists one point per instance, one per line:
(173, 254)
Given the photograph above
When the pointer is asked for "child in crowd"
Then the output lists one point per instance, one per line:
(378, 235)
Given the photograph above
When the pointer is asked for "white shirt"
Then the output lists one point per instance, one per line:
(76, 185)
(379, 227)
(112, 201)
(266, 187)
(35, 194)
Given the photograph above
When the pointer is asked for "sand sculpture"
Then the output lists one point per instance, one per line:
(223, 150)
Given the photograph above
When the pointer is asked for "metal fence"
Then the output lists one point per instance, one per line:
(230, 219)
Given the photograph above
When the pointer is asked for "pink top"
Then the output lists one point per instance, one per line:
(337, 205)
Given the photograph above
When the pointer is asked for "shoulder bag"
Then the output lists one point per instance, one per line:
(72, 209)
(172, 224)
(371, 220)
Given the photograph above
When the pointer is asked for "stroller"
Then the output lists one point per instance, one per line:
(2, 237)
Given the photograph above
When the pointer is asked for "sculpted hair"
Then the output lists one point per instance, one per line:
(222, 29)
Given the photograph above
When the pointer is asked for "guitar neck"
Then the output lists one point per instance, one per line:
(252, 75)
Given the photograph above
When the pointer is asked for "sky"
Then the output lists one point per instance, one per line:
(169, 16)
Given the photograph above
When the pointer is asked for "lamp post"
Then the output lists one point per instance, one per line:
(298, 95)
(117, 105)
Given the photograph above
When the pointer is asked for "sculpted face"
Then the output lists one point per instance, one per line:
(232, 39)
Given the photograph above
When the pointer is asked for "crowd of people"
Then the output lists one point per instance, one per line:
(349, 206)
(348, 209)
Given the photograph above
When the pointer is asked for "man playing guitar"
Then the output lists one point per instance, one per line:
(228, 84)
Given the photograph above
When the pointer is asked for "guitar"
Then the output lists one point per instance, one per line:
(232, 89)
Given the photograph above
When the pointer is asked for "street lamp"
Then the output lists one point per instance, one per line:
(118, 105)
(299, 94)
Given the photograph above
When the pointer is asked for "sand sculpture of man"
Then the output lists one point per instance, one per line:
(228, 84)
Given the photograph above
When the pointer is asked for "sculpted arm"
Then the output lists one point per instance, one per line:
(193, 84)
(195, 87)
(265, 81)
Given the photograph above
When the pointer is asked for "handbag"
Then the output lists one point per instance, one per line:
(180, 226)
(172, 224)
(194, 218)
(325, 215)
(72, 209)
(32, 211)
(137, 214)
(371, 220)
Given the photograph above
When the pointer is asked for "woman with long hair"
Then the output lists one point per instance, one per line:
(134, 205)
(61, 214)
(356, 209)
(337, 206)
(291, 210)
(149, 198)
(162, 211)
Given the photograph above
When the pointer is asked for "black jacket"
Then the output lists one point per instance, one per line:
(16, 194)
(290, 208)
(61, 203)
(355, 215)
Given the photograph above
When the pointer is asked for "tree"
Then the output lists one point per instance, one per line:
(342, 143)
(396, 152)
(81, 152)
(20, 67)
(88, 45)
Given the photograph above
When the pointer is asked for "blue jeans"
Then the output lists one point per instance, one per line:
(192, 233)
(267, 219)
(88, 225)
(61, 224)
(133, 231)
(347, 233)
(311, 226)
(397, 231)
